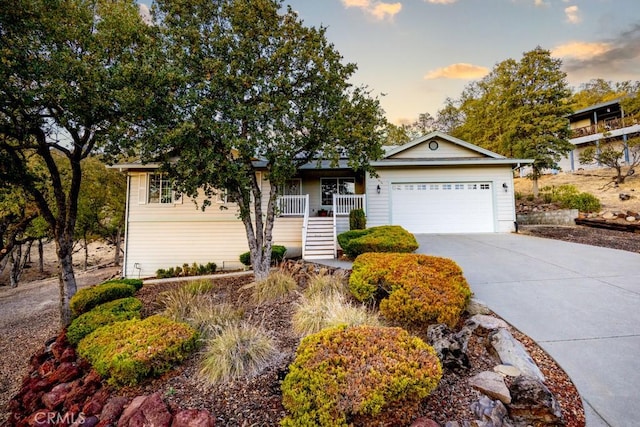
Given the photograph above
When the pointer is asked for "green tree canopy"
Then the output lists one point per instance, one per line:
(64, 77)
(252, 83)
(520, 110)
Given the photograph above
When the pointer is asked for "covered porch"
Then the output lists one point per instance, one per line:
(320, 231)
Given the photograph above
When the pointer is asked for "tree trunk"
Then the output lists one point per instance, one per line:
(86, 251)
(67, 280)
(16, 264)
(40, 256)
(536, 191)
(116, 256)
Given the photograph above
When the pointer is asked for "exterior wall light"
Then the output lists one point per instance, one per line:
(378, 189)
(505, 186)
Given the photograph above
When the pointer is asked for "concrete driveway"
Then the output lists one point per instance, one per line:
(580, 303)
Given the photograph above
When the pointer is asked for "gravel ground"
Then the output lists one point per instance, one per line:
(29, 316)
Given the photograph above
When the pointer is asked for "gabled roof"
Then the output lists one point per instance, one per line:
(596, 107)
(468, 154)
(446, 137)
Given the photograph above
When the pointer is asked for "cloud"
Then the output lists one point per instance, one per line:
(378, 9)
(540, 3)
(441, 1)
(458, 71)
(573, 14)
(619, 56)
(145, 13)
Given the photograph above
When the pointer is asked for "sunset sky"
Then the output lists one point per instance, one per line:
(419, 52)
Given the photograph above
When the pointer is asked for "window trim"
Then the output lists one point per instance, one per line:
(337, 179)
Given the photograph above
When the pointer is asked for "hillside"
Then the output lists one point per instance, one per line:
(595, 181)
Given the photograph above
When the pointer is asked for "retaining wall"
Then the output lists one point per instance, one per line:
(557, 217)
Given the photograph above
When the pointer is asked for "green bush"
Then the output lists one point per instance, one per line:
(103, 315)
(136, 283)
(187, 270)
(357, 219)
(359, 376)
(414, 289)
(386, 238)
(569, 197)
(88, 298)
(240, 350)
(277, 255)
(126, 352)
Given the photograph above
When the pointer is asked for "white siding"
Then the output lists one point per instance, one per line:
(445, 149)
(168, 235)
(378, 205)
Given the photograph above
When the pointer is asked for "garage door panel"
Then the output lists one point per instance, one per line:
(453, 207)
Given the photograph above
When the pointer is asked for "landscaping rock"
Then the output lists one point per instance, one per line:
(482, 324)
(507, 370)
(512, 352)
(630, 218)
(193, 418)
(490, 413)
(609, 215)
(112, 410)
(451, 347)
(476, 306)
(492, 384)
(424, 422)
(146, 411)
(56, 396)
(532, 403)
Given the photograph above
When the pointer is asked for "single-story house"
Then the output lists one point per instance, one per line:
(433, 184)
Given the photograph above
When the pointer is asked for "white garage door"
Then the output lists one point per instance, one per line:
(450, 207)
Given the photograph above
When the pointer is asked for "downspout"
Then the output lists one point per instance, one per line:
(126, 227)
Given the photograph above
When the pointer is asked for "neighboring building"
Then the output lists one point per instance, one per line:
(434, 184)
(595, 126)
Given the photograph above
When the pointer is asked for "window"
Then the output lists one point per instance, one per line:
(484, 186)
(446, 186)
(434, 187)
(421, 187)
(459, 186)
(472, 186)
(408, 187)
(291, 187)
(331, 186)
(160, 189)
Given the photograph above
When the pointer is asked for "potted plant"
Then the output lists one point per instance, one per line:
(322, 212)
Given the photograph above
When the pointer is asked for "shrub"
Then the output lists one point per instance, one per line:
(88, 298)
(277, 255)
(276, 285)
(386, 238)
(357, 219)
(569, 197)
(325, 310)
(136, 283)
(189, 304)
(240, 350)
(187, 270)
(126, 352)
(359, 376)
(103, 315)
(414, 289)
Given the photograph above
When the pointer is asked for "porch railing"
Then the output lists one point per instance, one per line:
(344, 204)
(293, 205)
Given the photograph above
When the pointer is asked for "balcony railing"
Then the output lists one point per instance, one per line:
(606, 126)
(344, 204)
(292, 205)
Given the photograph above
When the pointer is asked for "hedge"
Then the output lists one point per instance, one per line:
(103, 315)
(386, 238)
(413, 289)
(129, 351)
(360, 376)
(88, 298)
(277, 255)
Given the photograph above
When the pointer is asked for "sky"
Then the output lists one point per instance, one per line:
(414, 54)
